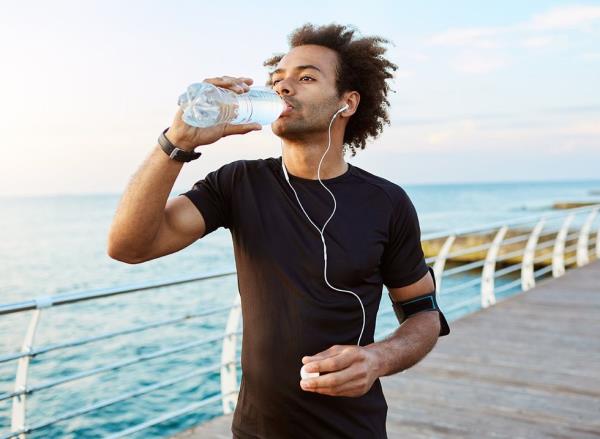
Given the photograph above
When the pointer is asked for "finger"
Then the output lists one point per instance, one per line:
(333, 350)
(351, 388)
(238, 85)
(334, 363)
(331, 380)
(241, 129)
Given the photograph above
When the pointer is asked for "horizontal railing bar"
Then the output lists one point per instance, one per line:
(571, 260)
(497, 224)
(551, 243)
(454, 288)
(466, 251)
(82, 341)
(114, 366)
(168, 416)
(430, 260)
(464, 267)
(123, 397)
(572, 237)
(542, 271)
(544, 245)
(508, 269)
(80, 296)
(570, 248)
(507, 286)
(514, 239)
(510, 255)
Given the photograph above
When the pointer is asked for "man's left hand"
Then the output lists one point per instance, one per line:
(350, 371)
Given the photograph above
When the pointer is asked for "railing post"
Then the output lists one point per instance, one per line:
(229, 369)
(527, 277)
(19, 407)
(489, 267)
(440, 261)
(598, 243)
(558, 254)
(582, 241)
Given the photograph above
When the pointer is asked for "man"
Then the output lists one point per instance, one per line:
(333, 84)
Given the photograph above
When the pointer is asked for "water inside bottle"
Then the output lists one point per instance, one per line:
(259, 105)
(205, 105)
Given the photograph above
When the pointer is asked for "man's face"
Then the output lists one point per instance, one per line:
(306, 79)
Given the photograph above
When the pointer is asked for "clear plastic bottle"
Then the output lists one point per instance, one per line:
(205, 104)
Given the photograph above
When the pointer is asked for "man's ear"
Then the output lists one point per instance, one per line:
(352, 99)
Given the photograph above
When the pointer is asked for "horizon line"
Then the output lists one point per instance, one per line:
(181, 190)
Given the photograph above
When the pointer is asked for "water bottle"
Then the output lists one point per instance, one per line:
(205, 105)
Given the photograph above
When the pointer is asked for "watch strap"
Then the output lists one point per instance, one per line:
(174, 152)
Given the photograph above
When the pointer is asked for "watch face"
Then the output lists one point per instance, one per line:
(184, 156)
(179, 155)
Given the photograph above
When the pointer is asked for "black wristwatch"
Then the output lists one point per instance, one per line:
(175, 153)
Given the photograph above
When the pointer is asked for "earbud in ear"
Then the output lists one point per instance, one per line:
(344, 108)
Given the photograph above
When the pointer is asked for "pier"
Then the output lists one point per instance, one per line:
(527, 367)
(523, 358)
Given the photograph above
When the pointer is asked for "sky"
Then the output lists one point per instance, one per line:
(484, 91)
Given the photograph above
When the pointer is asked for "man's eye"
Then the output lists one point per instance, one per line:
(304, 77)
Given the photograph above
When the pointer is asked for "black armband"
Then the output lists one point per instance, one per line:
(426, 302)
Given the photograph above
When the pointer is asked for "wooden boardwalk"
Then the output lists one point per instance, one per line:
(528, 367)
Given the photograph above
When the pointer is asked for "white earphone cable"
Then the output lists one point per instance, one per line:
(321, 231)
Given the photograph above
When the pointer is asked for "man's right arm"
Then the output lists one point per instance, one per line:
(147, 226)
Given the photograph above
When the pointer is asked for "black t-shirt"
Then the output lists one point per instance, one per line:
(288, 310)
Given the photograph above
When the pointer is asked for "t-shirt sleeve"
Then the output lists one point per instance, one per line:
(403, 261)
(213, 197)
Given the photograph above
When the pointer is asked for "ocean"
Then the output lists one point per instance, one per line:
(56, 244)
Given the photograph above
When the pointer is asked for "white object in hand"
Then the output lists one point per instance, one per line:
(304, 374)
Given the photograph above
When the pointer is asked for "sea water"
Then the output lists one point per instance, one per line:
(55, 244)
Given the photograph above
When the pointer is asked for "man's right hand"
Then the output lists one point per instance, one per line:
(187, 137)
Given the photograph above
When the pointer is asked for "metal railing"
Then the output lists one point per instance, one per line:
(557, 238)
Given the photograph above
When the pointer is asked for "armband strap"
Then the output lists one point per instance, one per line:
(426, 302)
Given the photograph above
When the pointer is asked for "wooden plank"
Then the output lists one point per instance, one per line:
(528, 367)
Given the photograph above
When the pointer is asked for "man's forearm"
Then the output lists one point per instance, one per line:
(408, 344)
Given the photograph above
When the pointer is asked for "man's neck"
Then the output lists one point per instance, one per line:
(302, 159)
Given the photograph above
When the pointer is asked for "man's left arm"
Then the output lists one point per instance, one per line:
(351, 370)
(415, 338)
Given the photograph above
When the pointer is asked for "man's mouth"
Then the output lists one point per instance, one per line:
(288, 109)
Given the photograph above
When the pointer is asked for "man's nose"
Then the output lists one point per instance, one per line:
(283, 88)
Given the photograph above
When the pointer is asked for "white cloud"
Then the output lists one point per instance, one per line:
(453, 133)
(546, 29)
(473, 37)
(566, 17)
(584, 127)
(410, 55)
(589, 56)
(537, 42)
(479, 62)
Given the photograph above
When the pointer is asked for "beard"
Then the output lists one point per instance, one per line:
(306, 120)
